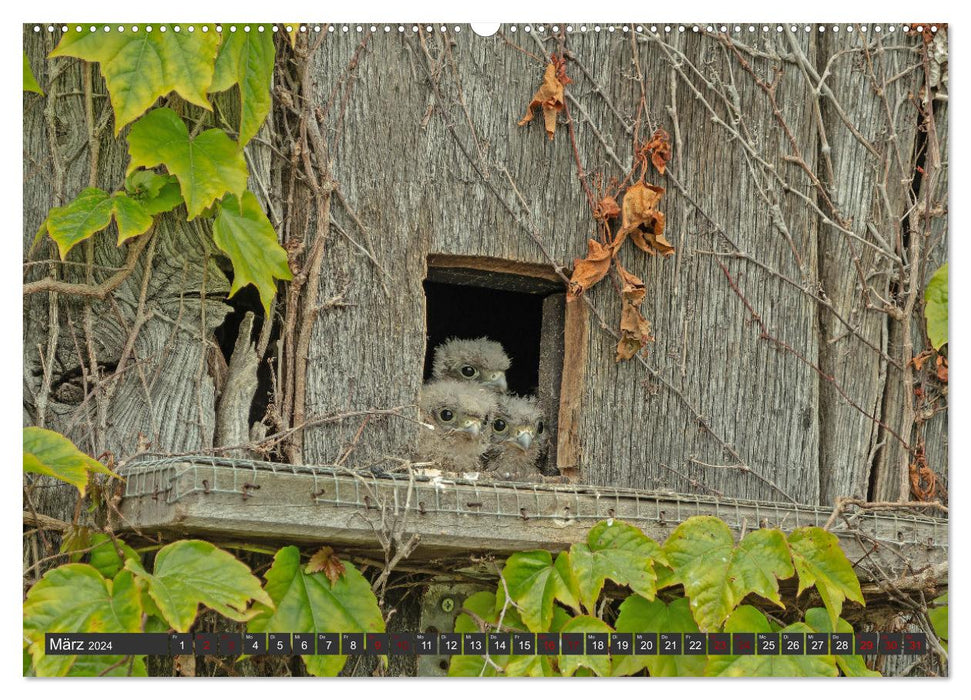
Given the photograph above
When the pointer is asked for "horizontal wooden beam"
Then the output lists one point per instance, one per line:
(251, 501)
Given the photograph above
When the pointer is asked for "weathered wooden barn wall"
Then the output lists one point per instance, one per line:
(792, 203)
(774, 203)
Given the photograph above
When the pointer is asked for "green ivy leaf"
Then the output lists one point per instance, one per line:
(77, 598)
(207, 167)
(104, 556)
(637, 614)
(80, 219)
(619, 552)
(570, 663)
(91, 211)
(52, 454)
(717, 575)
(936, 308)
(311, 603)
(820, 561)
(246, 59)
(758, 562)
(853, 665)
(156, 193)
(748, 619)
(131, 217)
(244, 234)
(190, 572)
(75, 542)
(30, 82)
(534, 582)
(139, 67)
(700, 551)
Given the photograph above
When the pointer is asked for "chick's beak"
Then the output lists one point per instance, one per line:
(524, 440)
(471, 425)
(498, 381)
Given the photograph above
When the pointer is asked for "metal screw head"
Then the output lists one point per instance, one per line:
(448, 604)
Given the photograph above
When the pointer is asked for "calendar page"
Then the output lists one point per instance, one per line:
(547, 349)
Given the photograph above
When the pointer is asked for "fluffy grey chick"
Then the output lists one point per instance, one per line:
(518, 436)
(460, 413)
(472, 360)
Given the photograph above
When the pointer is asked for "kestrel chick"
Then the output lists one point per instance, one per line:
(480, 360)
(460, 412)
(518, 435)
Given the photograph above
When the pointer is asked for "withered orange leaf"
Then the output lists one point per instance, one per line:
(635, 330)
(920, 359)
(659, 148)
(642, 221)
(325, 560)
(607, 208)
(589, 270)
(549, 97)
(941, 363)
(633, 289)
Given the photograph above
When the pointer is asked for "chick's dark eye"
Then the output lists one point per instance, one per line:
(498, 425)
(540, 427)
(468, 371)
(446, 415)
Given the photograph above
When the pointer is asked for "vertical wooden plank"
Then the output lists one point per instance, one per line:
(569, 451)
(551, 370)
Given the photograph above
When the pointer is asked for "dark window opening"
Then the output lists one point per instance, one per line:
(513, 319)
(523, 312)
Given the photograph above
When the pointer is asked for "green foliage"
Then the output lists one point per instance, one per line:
(141, 66)
(104, 554)
(207, 167)
(820, 562)
(749, 619)
(701, 556)
(77, 598)
(242, 231)
(936, 309)
(112, 595)
(246, 59)
(717, 575)
(637, 614)
(619, 552)
(190, 572)
(534, 581)
(30, 82)
(302, 602)
(52, 454)
(204, 169)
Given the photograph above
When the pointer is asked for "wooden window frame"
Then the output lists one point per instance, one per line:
(564, 337)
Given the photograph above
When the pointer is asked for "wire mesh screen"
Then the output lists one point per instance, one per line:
(173, 480)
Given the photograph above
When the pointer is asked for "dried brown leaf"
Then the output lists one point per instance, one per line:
(920, 359)
(941, 363)
(325, 560)
(591, 269)
(642, 221)
(607, 208)
(549, 97)
(635, 330)
(659, 149)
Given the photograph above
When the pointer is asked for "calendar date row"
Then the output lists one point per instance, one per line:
(492, 643)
